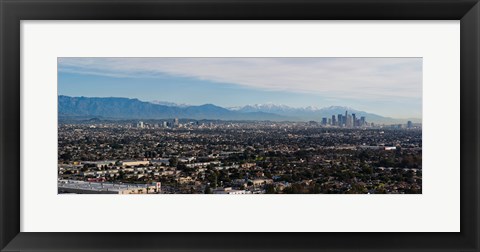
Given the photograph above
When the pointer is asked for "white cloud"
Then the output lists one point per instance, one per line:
(360, 78)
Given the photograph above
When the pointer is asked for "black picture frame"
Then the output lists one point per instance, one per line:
(13, 11)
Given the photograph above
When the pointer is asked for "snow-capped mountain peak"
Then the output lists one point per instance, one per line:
(170, 104)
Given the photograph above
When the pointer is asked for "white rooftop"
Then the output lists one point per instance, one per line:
(99, 186)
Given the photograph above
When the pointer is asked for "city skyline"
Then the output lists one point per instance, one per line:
(385, 86)
(126, 108)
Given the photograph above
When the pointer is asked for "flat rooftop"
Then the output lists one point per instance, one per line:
(99, 186)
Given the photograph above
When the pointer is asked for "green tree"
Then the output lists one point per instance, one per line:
(208, 190)
(173, 161)
(270, 189)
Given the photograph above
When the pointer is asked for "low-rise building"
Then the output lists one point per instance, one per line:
(86, 187)
(258, 182)
(228, 190)
(134, 162)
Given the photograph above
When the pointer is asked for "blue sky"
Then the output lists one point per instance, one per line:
(385, 86)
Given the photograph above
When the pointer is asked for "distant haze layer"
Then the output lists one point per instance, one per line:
(125, 108)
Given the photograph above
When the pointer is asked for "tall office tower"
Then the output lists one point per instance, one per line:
(340, 120)
(345, 119)
(362, 121)
(175, 122)
(324, 121)
(329, 121)
(334, 122)
(349, 121)
(409, 124)
(354, 120)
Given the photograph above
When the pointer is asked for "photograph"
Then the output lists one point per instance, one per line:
(239, 125)
(319, 117)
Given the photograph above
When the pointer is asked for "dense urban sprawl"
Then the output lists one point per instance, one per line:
(234, 157)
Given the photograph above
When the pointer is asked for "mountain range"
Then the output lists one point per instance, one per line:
(126, 108)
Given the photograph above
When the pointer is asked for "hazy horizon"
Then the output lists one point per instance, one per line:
(390, 87)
